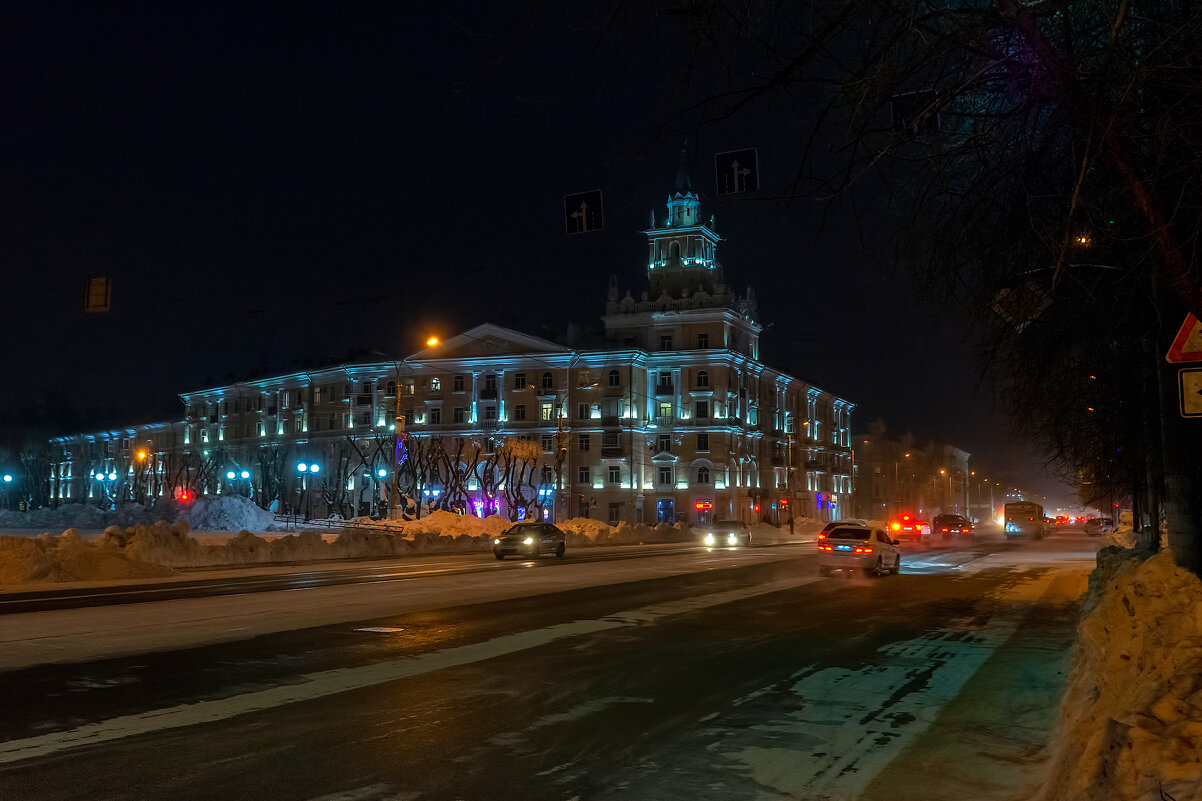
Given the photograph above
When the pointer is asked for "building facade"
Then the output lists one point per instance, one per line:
(671, 416)
(896, 475)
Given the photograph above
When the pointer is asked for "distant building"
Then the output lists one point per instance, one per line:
(670, 417)
(896, 475)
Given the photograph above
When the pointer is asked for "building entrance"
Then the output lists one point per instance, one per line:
(665, 511)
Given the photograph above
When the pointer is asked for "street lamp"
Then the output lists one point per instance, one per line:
(306, 470)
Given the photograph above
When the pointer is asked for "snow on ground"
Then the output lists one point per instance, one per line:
(146, 543)
(1131, 718)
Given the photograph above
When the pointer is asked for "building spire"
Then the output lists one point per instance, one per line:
(684, 178)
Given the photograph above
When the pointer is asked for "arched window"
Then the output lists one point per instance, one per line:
(614, 379)
(703, 475)
(703, 378)
(674, 250)
(390, 390)
(548, 381)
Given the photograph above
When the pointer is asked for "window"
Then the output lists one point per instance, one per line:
(584, 442)
(609, 439)
(457, 384)
(702, 408)
(365, 389)
(298, 424)
(584, 379)
(582, 411)
(548, 382)
(614, 378)
(435, 384)
(519, 380)
(703, 378)
(459, 416)
(703, 475)
(548, 475)
(615, 513)
(615, 474)
(665, 475)
(547, 443)
(490, 381)
(665, 342)
(665, 409)
(663, 443)
(703, 340)
(262, 429)
(703, 442)
(519, 412)
(435, 415)
(583, 476)
(545, 411)
(390, 389)
(490, 412)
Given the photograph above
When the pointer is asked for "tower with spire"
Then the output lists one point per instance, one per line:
(685, 284)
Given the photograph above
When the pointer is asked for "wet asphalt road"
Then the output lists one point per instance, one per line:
(756, 681)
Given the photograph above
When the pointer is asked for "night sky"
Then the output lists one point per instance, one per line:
(277, 187)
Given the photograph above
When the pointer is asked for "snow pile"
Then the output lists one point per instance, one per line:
(451, 524)
(216, 513)
(225, 513)
(1131, 719)
(68, 557)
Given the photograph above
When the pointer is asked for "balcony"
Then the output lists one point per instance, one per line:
(488, 394)
(611, 451)
(487, 425)
(665, 389)
(363, 400)
(663, 422)
(611, 422)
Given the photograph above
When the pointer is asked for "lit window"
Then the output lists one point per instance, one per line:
(544, 411)
(435, 384)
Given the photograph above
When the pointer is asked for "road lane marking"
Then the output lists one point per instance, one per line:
(845, 726)
(331, 682)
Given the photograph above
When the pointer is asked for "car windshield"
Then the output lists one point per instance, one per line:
(726, 524)
(517, 531)
(849, 534)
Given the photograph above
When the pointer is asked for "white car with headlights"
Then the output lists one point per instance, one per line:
(530, 540)
(726, 534)
(858, 548)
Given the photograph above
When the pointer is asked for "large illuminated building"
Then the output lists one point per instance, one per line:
(670, 416)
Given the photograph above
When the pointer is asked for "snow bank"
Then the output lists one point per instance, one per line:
(68, 557)
(1131, 720)
(216, 513)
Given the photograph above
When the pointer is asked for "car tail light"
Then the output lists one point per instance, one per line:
(895, 526)
(825, 548)
(945, 530)
(821, 535)
(863, 549)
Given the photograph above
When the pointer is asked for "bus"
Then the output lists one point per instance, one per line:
(1024, 518)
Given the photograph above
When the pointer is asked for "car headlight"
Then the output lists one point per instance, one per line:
(731, 538)
(497, 541)
(709, 538)
(528, 541)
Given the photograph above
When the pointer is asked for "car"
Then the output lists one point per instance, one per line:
(530, 539)
(858, 548)
(851, 521)
(950, 527)
(727, 532)
(907, 527)
(1097, 526)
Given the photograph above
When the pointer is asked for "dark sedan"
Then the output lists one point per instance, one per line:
(530, 540)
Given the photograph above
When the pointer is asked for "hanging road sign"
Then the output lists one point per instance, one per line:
(1187, 345)
(1189, 381)
(583, 212)
(737, 171)
(98, 295)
